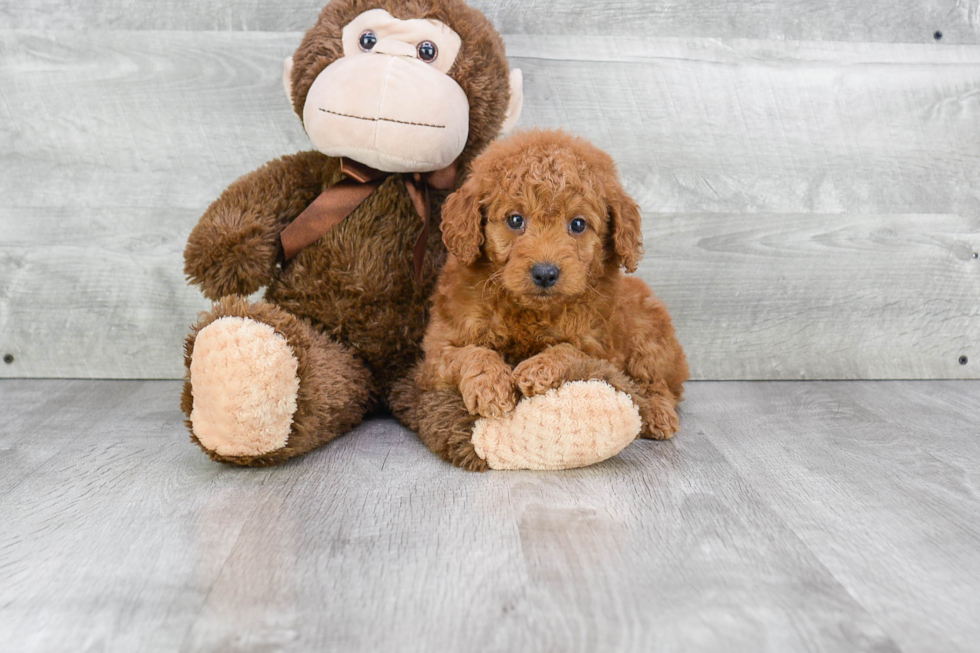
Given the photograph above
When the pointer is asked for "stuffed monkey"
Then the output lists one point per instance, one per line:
(397, 97)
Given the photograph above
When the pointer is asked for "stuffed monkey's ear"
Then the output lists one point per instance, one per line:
(462, 222)
(287, 78)
(627, 234)
(516, 101)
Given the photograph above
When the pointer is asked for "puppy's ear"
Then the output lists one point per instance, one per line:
(462, 222)
(627, 235)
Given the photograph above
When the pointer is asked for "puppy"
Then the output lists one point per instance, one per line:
(533, 293)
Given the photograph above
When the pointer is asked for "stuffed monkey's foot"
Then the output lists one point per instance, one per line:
(263, 386)
(245, 388)
(578, 424)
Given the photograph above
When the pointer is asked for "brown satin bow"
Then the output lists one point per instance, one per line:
(337, 202)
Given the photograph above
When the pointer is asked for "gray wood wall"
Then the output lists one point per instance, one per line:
(809, 170)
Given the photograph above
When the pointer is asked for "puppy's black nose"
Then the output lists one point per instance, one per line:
(545, 274)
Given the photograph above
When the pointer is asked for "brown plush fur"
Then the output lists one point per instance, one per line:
(440, 418)
(495, 336)
(355, 286)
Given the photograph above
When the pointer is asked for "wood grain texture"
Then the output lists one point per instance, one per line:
(873, 477)
(127, 538)
(831, 296)
(91, 302)
(912, 21)
(754, 162)
(763, 127)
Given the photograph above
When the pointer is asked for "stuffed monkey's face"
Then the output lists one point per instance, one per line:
(389, 102)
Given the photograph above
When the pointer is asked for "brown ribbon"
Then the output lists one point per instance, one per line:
(339, 201)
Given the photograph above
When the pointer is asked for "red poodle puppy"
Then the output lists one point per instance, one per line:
(534, 289)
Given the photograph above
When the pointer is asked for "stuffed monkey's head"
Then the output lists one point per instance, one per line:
(403, 85)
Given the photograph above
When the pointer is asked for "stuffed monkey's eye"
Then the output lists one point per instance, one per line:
(577, 225)
(367, 40)
(515, 222)
(428, 51)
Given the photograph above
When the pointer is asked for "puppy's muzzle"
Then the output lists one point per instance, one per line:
(545, 275)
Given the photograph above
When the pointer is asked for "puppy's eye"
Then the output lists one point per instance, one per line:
(577, 226)
(515, 222)
(367, 40)
(428, 51)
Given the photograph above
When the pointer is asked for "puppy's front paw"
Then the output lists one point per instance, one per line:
(538, 374)
(660, 420)
(489, 393)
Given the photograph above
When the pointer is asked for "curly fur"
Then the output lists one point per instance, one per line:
(495, 335)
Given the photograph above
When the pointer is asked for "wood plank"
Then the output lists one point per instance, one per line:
(697, 125)
(104, 524)
(39, 409)
(879, 480)
(118, 119)
(131, 539)
(766, 296)
(644, 554)
(954, 404)
(762, 127)
(778, 154)
(95, 301)
(912, 21)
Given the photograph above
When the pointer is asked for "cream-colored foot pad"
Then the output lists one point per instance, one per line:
(243, 377)
(578, 424)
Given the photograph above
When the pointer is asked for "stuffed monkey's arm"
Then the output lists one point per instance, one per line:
(234, 247)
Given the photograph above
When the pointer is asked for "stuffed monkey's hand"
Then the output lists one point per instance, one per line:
(233, 250)
(230, 253)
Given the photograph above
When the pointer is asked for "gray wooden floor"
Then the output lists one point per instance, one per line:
(817, 516)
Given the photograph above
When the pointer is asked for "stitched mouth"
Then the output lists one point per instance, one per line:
(400, 122)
